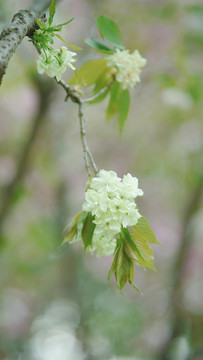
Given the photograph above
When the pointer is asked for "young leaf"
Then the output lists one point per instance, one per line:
(146, 251)
(52, 9)
(88, 230)
(142, 229)
(122, 268)
(99, 46)
(66, 22)
(109, 31)
(50, 20)
(131, 276)
(102, 82)
(130, 243)
(71, 229)
(114, 264)
(88, 73)
(74, 47)
(112, 108)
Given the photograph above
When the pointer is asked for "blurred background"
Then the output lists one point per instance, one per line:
(55, 303)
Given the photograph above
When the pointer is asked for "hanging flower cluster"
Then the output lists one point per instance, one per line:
(110, 223)
(55, 62)
(127, 67)
(110, 200)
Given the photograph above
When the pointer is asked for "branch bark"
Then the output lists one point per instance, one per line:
(22, 24)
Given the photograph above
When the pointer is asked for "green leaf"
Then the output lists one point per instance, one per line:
(88, 230)
(122, 268)
(74, 47)
(142, 229)
(131, 273)
(110, 31)
(131, 243)
(114, 264)
(123, 108)
(50, 20)
(131, 276)
(66, 22)
(112, 108)
(100, 84)
(52, 9)
(89, 72)
(99, 46)
(71, 229)
(103, 80)
(146, 251)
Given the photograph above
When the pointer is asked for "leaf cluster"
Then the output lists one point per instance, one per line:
(82, 227)
(132, 246)
(97, 73)
(42, 38)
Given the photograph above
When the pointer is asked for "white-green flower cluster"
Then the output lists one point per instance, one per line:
(111, 201)
(55, 62)
(127, 67)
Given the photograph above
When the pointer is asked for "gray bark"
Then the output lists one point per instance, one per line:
(22, 24)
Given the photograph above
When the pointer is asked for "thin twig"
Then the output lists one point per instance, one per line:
(101, 92)
(88, 157)
(70, 91)
(83, 139)
(87, 154)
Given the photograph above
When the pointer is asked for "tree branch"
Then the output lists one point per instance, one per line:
(44, 89)
(178, 271)
(22, 24)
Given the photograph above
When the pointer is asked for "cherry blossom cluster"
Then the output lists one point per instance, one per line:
(110, 200)
(55, 62)
(127, 67)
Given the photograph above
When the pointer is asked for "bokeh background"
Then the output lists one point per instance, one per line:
(54, 302)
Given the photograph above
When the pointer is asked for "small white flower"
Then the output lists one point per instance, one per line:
(127, 67)
(130, 187)
(55, 62)
(67, 57)
(107, 181)
(103, 244)
(132, 215)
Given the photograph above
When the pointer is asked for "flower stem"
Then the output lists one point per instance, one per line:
(88, 157)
